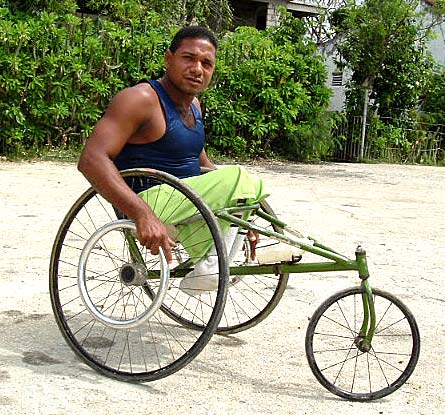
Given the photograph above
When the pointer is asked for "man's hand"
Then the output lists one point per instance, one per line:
(152, 233)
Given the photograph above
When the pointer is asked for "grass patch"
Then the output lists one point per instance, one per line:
(63, 154)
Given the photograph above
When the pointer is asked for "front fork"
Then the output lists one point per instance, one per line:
(364, 338)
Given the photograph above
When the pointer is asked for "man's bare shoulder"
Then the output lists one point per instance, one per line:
(135, 102)
(140, 93)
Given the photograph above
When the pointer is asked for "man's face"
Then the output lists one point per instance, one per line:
(191, 66)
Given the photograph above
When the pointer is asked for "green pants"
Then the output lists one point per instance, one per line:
(219, 188)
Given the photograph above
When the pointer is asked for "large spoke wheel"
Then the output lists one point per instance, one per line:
(346, 369)
(250, 298)
(107, 290)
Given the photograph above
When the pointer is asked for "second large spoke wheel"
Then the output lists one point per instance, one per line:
(250, 298)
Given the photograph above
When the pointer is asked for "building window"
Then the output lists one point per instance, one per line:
(261, 18)
(337, 79)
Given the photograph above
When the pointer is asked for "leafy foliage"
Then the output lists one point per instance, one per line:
(58, 71)
(269, 94)
(383, 42)
(433, 101)
(406, 138)
(36, 6)
(217, 14)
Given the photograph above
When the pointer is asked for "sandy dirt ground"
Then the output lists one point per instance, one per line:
(396, 212)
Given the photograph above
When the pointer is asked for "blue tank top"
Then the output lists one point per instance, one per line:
(176, 152)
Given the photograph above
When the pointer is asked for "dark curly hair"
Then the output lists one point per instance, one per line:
(197, 32)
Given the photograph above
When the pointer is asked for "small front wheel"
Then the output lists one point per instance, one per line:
(332, 345)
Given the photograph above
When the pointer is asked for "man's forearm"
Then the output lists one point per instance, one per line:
(106, 179)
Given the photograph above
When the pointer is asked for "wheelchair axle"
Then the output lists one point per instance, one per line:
(133, 274)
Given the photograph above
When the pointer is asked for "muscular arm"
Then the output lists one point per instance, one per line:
(126, 113)
(205, 162)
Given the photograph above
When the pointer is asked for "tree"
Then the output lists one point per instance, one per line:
(269, 94)
(383, 43)
(37, 6)
(433, 101)
(319, 25)
(216, 14)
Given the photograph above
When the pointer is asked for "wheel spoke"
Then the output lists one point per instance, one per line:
(250, 298)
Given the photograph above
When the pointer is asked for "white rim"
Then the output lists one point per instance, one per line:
(81, 280)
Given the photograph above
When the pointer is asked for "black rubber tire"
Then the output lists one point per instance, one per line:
(159, 347)
(336, 361)
(249, 300)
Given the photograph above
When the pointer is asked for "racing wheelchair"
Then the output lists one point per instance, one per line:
(123, 312)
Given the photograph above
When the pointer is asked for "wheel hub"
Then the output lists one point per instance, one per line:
(133, 274)
(361, 344)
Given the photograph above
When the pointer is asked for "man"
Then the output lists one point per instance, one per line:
(157, 124)
(142, 116)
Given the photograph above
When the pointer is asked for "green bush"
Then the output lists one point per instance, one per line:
(58, 72)
(433, 101)
(405, 139)
(269, 95)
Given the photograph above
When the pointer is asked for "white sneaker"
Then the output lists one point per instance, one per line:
(205, 276)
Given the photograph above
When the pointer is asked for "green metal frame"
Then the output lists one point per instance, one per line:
(337, 261)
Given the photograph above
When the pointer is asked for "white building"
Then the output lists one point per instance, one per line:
(264, 13)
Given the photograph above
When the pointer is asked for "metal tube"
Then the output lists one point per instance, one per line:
(365, 114)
